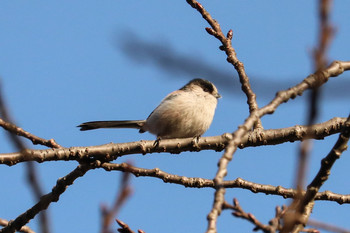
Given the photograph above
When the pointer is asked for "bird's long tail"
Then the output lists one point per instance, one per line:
(111, 124)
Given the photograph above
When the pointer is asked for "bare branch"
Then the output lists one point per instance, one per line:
(276, 222)
(125, 228)
(216, 31)
(196, 182)
(273, 226)
(326, 34)
(124, 193)
(320, 62)
(35, 139)
(326, 165)
(306, 203)
(327, 227)
(217, 143)
(240, 213)
(100, 156)
(24, 229)
(311, 81)
(46, 200)
(292, 134)
(33, 180)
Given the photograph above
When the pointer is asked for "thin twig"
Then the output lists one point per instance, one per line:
(240, 213)
(33, 138)
(124, 193)
(273, 226)
(125, 228)
(276, 222)
(326, 226)
(320, 62)
(225, 40)
(326, 33)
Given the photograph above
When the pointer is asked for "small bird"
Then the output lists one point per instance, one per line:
(187, 112)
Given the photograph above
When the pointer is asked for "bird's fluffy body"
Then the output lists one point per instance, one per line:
(182, 114)
(187, 112)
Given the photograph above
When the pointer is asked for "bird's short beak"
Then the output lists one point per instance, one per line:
(217, 95)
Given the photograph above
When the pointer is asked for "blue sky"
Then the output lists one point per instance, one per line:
(66, 62)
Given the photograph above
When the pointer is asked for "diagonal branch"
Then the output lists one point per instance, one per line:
(240, 213)
(24, 229)
(253, 120)
(302, 212)
(326, 32)
(46, 200)
(124, 227)
(216, 31)
(20, 132)
(311, 81)
(33, 180)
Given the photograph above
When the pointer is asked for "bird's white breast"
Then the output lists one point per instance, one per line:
(182, 114)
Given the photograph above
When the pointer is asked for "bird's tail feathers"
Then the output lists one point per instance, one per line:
(111, 124)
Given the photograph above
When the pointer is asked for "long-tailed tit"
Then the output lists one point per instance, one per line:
(187, 112)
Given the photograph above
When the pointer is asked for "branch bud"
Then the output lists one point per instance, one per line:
(236, 214)
(199, 6)
(120, 223)
(251, 216)
(230, 34)
(210, 31)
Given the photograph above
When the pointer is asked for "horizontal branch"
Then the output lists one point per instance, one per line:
(111, 151)
(292, 134)
(194, 182)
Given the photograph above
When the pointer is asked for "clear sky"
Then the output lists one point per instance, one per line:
(66, 62)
